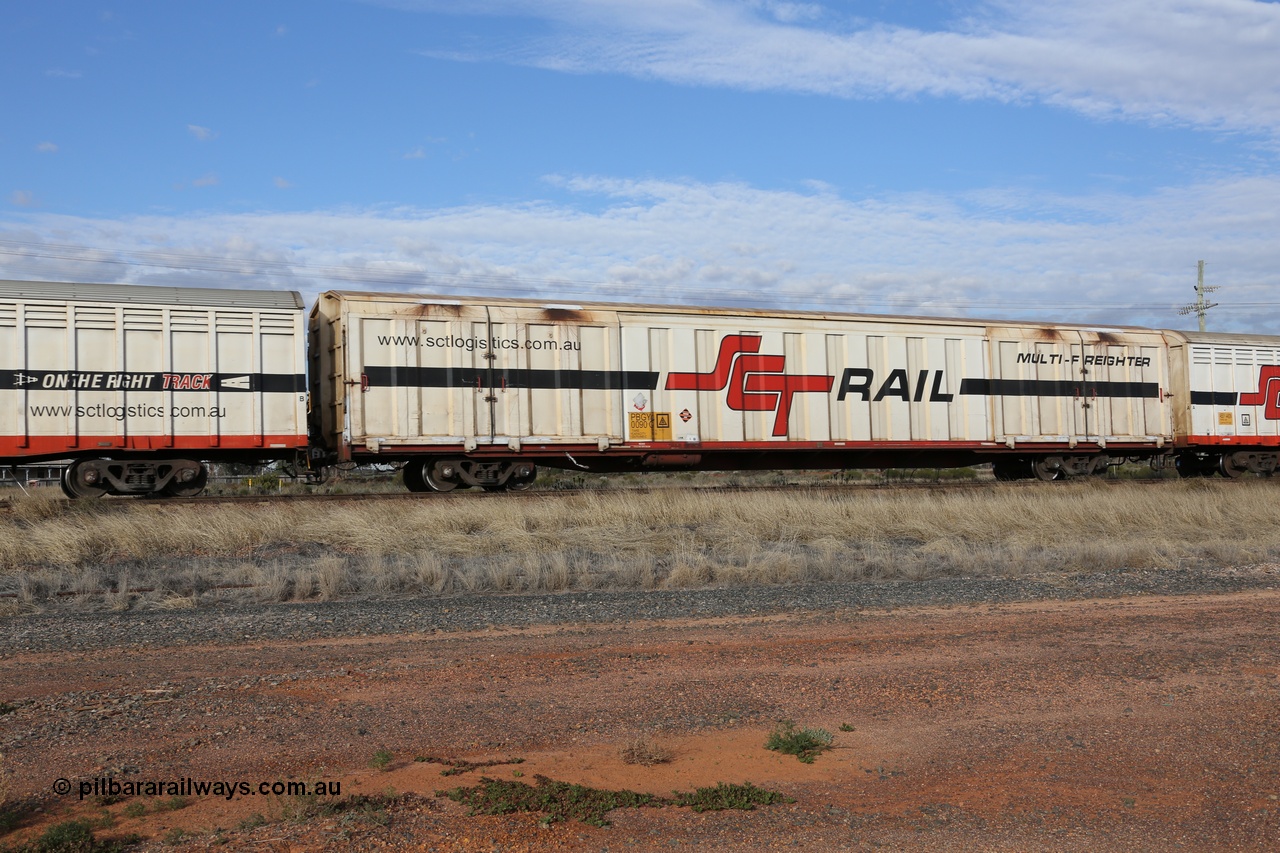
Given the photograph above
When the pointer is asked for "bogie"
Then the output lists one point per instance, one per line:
(94, 478)
(448, 474)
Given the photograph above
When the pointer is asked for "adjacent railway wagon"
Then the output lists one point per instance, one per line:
(139, 386)
(478, 392)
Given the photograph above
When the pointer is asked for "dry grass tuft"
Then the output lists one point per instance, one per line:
(645, 752)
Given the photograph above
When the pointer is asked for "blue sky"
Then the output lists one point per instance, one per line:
(1068, 161)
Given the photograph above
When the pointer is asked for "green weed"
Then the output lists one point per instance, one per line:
(559, 801)
(358, 807)
(173, 804)
(804, 744)
(74, 836)
(727, 796)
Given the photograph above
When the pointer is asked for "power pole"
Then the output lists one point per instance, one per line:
(1200, 307)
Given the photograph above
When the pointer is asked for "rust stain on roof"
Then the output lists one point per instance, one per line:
(565, 315)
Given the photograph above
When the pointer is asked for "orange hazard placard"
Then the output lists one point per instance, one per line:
(650, 426)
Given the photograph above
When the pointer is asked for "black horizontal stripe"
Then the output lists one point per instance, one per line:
(1213, 398)
(479, 377)
(1057, 388)
(268, 383)
(182, 381)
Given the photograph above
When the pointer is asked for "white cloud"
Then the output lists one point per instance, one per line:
(1109, 259)
(209, 180)
(63, 74)
(204, 134)
(282, 184)
(47, 148)
(1204, 63)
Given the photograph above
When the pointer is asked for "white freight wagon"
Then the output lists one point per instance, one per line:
(138, 386)
(1231, 413)
(477, 391)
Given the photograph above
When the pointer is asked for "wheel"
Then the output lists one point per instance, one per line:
(189, 489)
(74, 485)
(1229, 469)
(519, 484)
(435, 475)
(1043, 470)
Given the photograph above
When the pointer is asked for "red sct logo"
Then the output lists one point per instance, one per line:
(756, 383)
(1268, 394)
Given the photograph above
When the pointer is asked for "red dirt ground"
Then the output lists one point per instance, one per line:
(1130, 724)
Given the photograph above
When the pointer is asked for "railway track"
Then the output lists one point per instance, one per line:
(863, 486)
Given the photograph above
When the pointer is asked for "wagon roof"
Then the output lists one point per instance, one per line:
(575, 304)
(212, 297)
(1225, 338)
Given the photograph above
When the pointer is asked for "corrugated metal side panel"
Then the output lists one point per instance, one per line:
(564, 409)
(417, 373)
(62, 291)
(96, 377)
(12, 415)
(1137, 362)
(1056, 385)
(1235, 388)
(734, 378)
(1208, 375)
(409, 378)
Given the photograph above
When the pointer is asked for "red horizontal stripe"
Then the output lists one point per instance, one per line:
(1238, 441)
(46, 445)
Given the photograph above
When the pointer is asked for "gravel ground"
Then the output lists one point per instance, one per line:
(64, 630)
(1105, 712)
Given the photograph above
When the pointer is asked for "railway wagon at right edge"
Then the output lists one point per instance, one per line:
(1225, 403)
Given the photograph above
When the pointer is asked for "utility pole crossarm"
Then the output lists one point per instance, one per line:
(1200, 307)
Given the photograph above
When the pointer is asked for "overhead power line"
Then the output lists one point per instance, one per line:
(504, 284)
